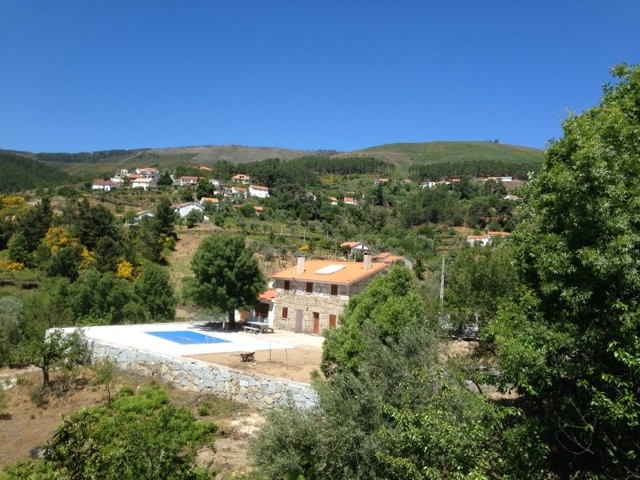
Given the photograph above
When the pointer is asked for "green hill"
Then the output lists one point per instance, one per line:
(420, 160)
(404, 155)
(19, 173)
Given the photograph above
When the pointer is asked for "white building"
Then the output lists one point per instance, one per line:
(183, 209)
(145, 183)
(104, 185)
(258, 191)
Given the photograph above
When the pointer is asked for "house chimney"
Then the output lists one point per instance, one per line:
(366, 265)
(300, 268)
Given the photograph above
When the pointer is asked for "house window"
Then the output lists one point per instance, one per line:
(285, 312)
(309, 287)
(333, 321)
(287, 285)
(334, 290)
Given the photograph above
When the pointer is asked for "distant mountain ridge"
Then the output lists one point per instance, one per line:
(103, 163)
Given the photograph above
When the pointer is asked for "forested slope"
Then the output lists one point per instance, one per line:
(20, 173)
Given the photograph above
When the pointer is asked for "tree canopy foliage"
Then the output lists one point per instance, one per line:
(138, 436)
(226, 275)
(20, 173)
(569, 338)
(388, 304)
(483, 168)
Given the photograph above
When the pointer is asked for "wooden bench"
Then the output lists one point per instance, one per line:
(250, 329)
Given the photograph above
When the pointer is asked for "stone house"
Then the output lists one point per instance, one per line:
(311, 295)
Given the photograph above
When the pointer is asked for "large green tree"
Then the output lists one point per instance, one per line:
(36, 222)
(226, 275)
(476, 281)
(155, 292)
(402, 412)
(94, 223)
(389, 303)
(569, 341)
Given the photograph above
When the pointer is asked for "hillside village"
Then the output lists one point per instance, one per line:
(391, 268)
(321, 293)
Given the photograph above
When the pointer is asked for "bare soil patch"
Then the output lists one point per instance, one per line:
(26, 427)
(295, 364)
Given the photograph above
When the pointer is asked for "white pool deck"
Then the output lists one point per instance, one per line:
(136, 336)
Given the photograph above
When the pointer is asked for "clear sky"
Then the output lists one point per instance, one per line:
(89, 75)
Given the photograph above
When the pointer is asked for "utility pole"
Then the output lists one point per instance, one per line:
(442, 287)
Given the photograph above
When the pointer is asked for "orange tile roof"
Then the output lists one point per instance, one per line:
(476, 237)
(350, 244)
(267, 295)
(351, 272)
(392, 259)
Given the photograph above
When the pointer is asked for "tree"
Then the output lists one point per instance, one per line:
(403, 414)
(108, 252)
(478, 280)
(204, 188)
(93, 223)
(150, 241)
(569, 340)
(36, 222)
(19, 249)
(102, 298)
(64, 262)
(138, 436)
(391, 302)
(11, 318)
(193, 217)
(165, 179)
(43, 313)
(156, 293)
(166, 217)
(226, 275)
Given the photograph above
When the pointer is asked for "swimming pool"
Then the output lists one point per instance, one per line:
(186, 337)
(181, 338)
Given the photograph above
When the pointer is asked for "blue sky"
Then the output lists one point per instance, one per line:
(84, 75)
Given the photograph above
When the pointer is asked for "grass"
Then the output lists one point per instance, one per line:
(406, 154)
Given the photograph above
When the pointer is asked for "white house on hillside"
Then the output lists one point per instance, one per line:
(258, 191)
(183, 209)
(145, 183)
(354, 248)
(104, 185)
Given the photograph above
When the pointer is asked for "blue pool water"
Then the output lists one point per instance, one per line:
(187, 338)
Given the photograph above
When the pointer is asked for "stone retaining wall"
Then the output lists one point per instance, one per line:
(259, 391)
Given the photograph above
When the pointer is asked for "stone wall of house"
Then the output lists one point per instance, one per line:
(320, 301)
(259, 391)
(324, 305)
